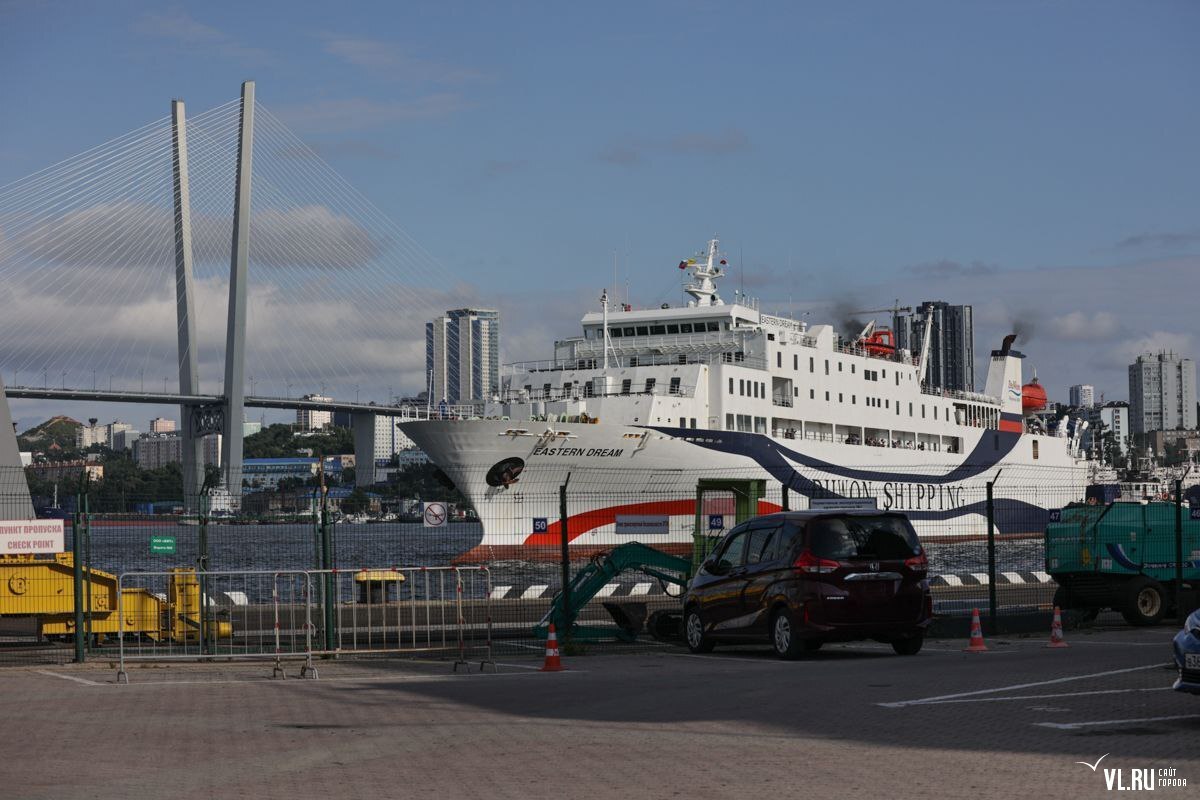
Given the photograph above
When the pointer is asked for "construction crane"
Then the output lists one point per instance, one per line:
(895, 309)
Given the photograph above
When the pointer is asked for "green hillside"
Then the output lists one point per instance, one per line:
(54, 431)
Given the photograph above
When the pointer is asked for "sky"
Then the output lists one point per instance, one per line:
(1036, 160)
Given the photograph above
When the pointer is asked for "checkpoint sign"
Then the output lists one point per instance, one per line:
(434, 514)
(31, 536)
(716, 522)
(1194, 513)
(540, 525)
(1056, 515)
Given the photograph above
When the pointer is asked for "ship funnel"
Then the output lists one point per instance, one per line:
(1004, 379)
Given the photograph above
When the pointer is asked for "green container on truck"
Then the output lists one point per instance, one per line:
(1123, 556)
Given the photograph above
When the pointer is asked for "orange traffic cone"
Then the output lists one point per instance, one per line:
(1056, 634)
(553, 664)
(976, 644)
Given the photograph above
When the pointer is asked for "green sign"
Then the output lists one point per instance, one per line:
(162, 544)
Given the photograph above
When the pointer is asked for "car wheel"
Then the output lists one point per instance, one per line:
(1145, 602)
(784, 636)
(693, 633)
(909, 645)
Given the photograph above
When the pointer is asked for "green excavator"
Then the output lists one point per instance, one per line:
(630, 616)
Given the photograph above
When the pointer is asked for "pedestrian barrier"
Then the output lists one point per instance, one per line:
(182, 614)
(433, 610)
(278, 615)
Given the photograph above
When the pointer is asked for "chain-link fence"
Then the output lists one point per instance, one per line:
(982, 530)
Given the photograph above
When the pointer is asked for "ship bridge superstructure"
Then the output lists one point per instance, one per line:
(716, 366)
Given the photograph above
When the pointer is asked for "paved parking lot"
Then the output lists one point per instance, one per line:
(852, 721)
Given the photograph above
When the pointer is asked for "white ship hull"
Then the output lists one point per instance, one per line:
(616, 471)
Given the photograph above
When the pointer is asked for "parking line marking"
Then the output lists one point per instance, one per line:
(498, 592)
(981, 577)
(764, 660)
(641, 588)
(75, 678)
(1042, 576)
(951, 580)
(607, 589)
(1013, 577)
(1073, 726)
(1069, 678)
(1043, 696)
(535, 591)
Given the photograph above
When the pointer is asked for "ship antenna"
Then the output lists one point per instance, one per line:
(604, 306)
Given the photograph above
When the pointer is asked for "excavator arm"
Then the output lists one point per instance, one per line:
(603, 569)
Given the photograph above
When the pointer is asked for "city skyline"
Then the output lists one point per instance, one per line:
(1007, 204)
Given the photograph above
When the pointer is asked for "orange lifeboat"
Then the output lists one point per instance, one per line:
(1033, 397)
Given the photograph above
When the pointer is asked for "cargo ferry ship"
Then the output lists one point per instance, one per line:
(648, 401)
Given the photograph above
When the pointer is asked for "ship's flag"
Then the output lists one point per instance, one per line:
(683, 265)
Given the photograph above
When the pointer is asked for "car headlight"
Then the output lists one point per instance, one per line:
(1192, 625)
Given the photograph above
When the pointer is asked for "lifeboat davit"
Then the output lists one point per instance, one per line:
(1033, 397)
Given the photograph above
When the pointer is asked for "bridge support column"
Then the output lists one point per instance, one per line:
(362, 424)
(14, 489)
(192, 453)
(235, 337)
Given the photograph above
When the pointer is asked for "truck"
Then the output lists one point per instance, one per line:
(1123, 556)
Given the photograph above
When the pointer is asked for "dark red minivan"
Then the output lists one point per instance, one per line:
(799, 579)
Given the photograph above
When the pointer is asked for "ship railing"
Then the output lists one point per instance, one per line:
(595, 363)
(956, 394)
(861, 350)
(588, 391)
(714, 341)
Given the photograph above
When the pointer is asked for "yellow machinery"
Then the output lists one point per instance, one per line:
(44, 588)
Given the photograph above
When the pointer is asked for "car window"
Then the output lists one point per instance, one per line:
(782, 542)
(719, 550)
(759, 546)
(735, 550)
(884, 537)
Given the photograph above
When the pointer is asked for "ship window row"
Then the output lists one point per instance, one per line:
(745, 423)
(617, 332)
(785, 428)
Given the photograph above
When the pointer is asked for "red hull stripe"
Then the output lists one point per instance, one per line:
(1010, 426)
(579, 524)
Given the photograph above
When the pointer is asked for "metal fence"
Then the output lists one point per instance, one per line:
(181, 614)
(515, 549)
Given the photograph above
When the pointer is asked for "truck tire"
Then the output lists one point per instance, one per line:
(1145, 602)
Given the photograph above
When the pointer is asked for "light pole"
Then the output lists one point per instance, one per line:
(45, 372)
(356, 394)
(64, 380)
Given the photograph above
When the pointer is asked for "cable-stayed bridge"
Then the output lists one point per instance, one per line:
(211, 250)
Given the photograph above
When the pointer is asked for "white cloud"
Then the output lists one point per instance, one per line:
(1079, 325)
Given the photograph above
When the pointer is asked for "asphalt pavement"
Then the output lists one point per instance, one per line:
(851, 721)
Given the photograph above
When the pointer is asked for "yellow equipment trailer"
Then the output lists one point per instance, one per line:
(44, 588)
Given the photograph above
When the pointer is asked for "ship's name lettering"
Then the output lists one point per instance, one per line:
(579, 452)
(898, 494)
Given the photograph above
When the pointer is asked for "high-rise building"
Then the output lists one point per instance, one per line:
(156, 450)
(1112, 417)
(123, 440)
(308, 419)
(951, 348)
(91, 434)
(462, 356)
(1162, 393)
(162, 425)
(1083, 395)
